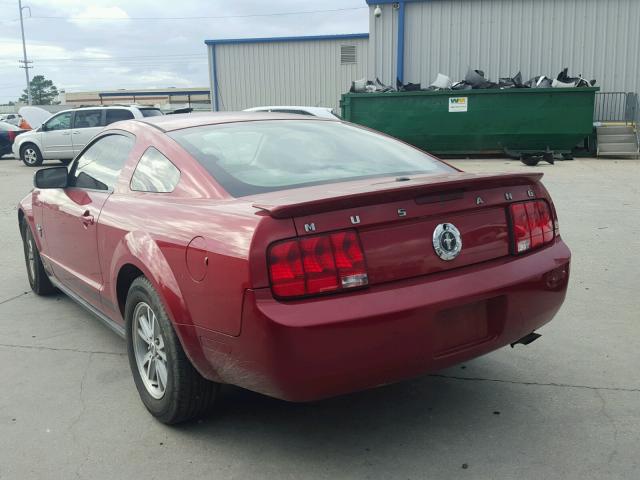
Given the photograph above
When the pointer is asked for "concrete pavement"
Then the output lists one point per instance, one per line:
(566, 406)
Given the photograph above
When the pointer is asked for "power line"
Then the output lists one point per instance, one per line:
(276, 14)
(155, 60)
(181, 55)
(129, 66)
(89, 60)
(164, 67)
(74, 63)
(128, 63)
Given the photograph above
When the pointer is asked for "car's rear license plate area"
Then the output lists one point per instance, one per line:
(463, 327)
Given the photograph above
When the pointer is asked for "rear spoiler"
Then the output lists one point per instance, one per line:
(392, 191)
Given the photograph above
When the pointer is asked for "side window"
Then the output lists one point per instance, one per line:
(99, 166)
(87, 119)
(59, 122)
(155, 173)
(117, 115)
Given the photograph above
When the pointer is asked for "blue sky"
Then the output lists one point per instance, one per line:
(89, 45)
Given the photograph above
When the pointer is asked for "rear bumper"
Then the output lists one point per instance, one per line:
(312, 349)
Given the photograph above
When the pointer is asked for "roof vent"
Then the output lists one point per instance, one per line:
(347, 54)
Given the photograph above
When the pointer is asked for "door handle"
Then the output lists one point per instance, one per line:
(87, 219)
(75, 131)
(66, 133)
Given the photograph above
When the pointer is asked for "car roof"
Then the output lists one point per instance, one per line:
(325, 112)
(169, 123)
(94, 107)
(289, 107)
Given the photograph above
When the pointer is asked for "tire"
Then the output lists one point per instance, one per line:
(30, 155)
(185, 393)
(38, 278)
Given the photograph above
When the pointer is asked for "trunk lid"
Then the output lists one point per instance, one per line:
(396, 218)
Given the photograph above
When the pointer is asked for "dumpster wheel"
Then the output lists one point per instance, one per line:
(531, 159)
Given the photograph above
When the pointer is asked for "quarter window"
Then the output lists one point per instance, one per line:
(117, 115)
(87, 119)
(99, 167)
(59, 122)
(155, 173)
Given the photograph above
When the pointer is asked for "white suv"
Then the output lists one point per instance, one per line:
(66, 133)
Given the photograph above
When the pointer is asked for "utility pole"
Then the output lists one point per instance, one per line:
(25, 62)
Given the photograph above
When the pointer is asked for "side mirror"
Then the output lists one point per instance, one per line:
(53, 177)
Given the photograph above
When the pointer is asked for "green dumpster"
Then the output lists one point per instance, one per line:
(516, 120)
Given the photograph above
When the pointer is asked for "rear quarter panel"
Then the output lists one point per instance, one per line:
(153, 234)
(153, 231)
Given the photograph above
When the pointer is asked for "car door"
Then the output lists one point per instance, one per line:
(70, 216)
(56, 136)
(86, 125)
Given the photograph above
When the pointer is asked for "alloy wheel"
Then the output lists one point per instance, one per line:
(149, 350)
(31, 258)
(30, 156)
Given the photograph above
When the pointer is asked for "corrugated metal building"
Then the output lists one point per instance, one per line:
(414, 40)
(310, 71)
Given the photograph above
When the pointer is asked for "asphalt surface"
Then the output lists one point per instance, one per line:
(566, 406)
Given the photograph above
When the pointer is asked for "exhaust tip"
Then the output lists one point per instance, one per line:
(527, 339)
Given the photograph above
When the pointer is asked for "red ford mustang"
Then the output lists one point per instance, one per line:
(297, 257)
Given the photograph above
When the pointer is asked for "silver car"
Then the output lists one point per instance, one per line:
(66, 133)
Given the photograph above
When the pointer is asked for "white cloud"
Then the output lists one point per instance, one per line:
(163, 79)
(121, 52)
(94, 14)
(11, 49)
(94, 52)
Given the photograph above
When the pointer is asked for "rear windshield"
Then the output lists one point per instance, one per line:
(264, 156)
(150, 112)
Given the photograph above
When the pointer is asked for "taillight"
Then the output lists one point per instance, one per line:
(12, 135)
(317, 264)
(285, 266)
(532, 225)
(349, 258)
